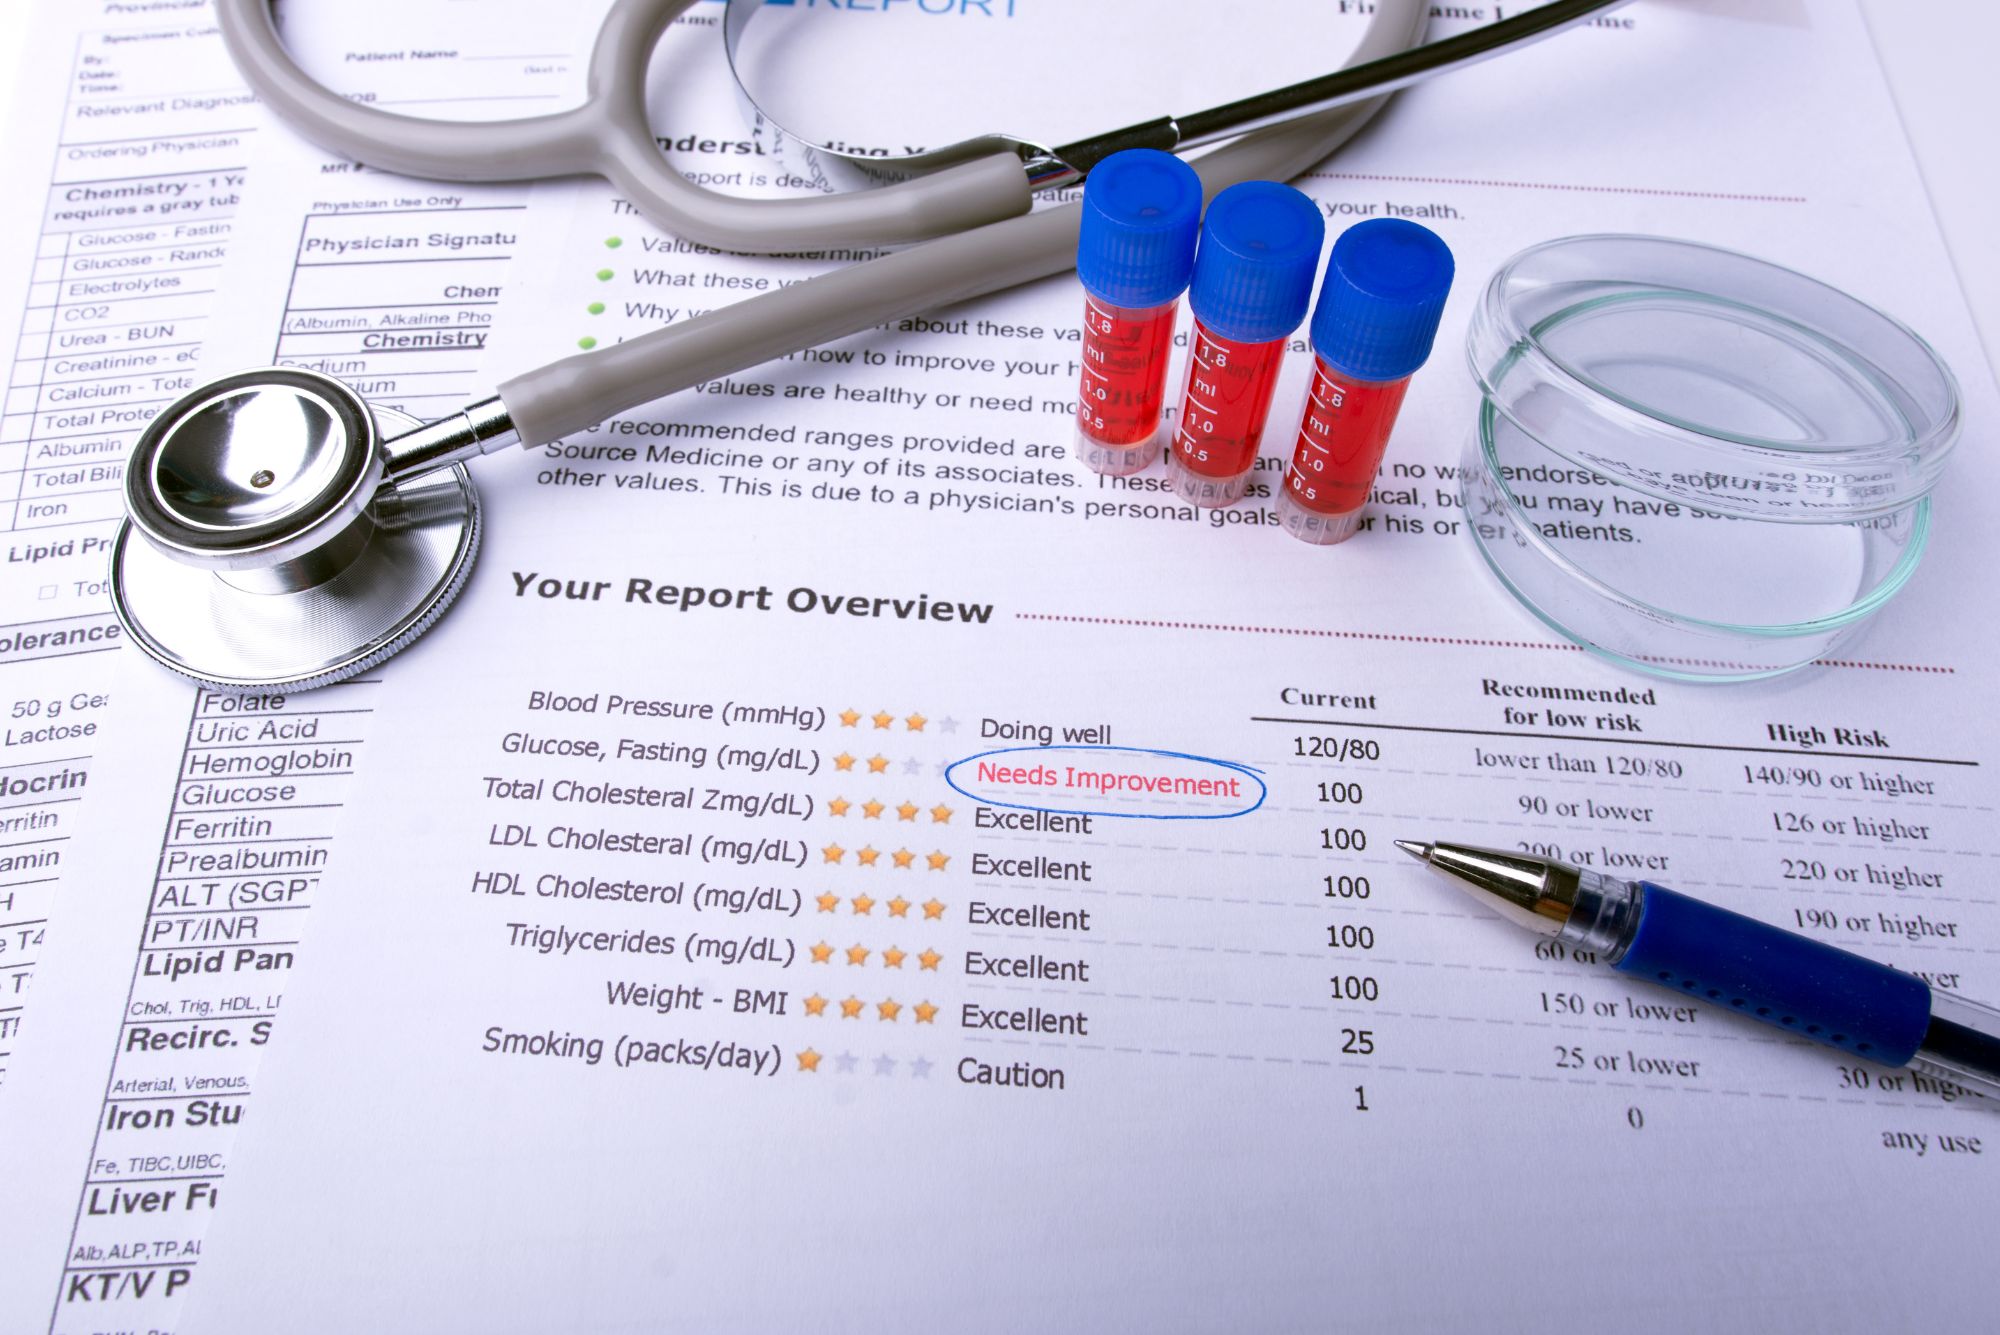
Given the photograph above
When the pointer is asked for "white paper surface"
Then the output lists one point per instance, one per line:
(549, 1057)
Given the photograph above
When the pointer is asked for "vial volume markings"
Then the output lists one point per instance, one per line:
(1342, 438)
(1125, 354)
(1228, 399)
(1253, 274)
(1377, 316)
(1135, 250)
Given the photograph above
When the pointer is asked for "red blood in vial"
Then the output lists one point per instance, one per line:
(1125, 355)
(1341, 440)
(1228, 398)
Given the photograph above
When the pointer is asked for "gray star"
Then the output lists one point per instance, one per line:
(913, 766)
(845, 1062)
(942, 767)
(920, 1067)
(947, 724)
(885, 1065)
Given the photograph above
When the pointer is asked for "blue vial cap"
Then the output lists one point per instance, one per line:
(1382, 299)
(1253, 274)
(1141, 208)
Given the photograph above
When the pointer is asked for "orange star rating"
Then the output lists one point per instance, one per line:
(892, 958)
(838, 806)
(815, 1004)
(850, 1009)
(926, 1013)
(849, 717)
(884, 719)
(899, 907)
(888, 1010)
(929, 960)
(877, 764)
(915, 722)
(871, 810)
(940, 815)
(843, 761)
(827, 902)
(867, 856)
(863, 905)
(833, 852)
(822, 953)
(903, 857)
(808, 1060)
(933, 909)
(857, 954)
(907, 811)
(937, 860)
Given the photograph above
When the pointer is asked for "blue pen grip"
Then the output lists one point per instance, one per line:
(1779, 977)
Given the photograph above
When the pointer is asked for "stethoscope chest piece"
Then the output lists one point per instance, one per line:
(263, 550)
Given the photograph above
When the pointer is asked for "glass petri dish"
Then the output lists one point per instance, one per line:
(1693, 462)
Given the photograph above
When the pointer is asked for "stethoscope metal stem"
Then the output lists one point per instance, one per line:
(479, 428)
(1171, 134)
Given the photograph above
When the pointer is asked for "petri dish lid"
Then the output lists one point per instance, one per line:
(1700, 375)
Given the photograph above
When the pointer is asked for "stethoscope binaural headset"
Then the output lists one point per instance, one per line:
(281, 532)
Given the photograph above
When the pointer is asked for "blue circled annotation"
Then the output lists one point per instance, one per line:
(1124, 782)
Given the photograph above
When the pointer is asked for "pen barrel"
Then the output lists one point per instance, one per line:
(1814, 990)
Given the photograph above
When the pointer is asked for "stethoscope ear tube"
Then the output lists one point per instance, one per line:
(577, 392)
(524, 149)
(609, 135)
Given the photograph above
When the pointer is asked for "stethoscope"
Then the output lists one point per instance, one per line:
(283, 533)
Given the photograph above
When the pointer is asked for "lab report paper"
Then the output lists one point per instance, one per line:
(841, 866)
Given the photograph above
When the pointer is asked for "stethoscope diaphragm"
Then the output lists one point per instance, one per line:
(263, 550)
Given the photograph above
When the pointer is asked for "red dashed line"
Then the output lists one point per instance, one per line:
(1886, 667)
(1561, 185)
(1317, 633)
(1298, 630)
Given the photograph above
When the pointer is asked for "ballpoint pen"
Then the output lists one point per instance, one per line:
(1781, 978)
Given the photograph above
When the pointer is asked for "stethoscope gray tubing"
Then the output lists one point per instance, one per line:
(276, 538)
(968, 183)
(551, 401)
(608, 135)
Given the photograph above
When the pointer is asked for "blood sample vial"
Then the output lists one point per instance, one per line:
(1377, 314)
(1135, 249)
(1253, 276)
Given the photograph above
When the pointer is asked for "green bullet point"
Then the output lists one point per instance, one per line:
(586, 343)
(612, 242)
(595, 308)
(604, 275)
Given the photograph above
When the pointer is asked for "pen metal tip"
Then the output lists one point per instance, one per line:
(1421, 852)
